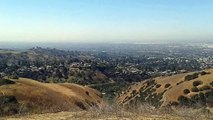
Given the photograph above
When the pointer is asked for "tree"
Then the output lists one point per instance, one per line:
(14, 76)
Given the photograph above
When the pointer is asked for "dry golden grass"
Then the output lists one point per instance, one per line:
(176, 87)
(173, 80)
(90, 116)
(114, 112)
(63, 97)
(45, 97)
(177, 90)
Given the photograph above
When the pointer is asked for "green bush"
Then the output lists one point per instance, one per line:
(195, 89)
(8, 105)
(14, 76)
(167, 85)
(191, 77)
(204, 73)
(206, 87)
(158, 85)
(183, 100)
(87, 93)
(196, 83)
(173, 104)
(80, 105)
(6, 82)
(209, 96)
(179, 82)
(211, 84)
(134, 92)
(198, 100)
(186, 91)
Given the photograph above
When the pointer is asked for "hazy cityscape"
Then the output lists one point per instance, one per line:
(106, 59)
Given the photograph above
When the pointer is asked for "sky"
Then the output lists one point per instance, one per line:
(106, 20)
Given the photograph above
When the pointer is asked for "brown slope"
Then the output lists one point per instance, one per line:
(47, 97)
(166, 90)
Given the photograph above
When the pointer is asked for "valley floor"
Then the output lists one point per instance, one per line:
(108, 116)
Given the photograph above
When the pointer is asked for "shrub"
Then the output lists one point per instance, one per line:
(173, 104)
(186, 91)
(150, 82)
(164, 91)
(134, 92)
(87, 93)
(209, 97)
(206, 87)
(158, 85)
(167, 85)
(196, 83)
(211, 84)
(204, 73)
(199, 99)
(8, 105)
(80, 105)
(195, 89)
(191, 77)
(179, 82)
(183, 100)
(6, 82)
(14, 76)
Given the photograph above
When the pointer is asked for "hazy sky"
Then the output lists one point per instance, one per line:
(105, 20)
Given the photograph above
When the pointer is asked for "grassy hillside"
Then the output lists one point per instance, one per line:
(182, 89)
(26, 95)
(142, 112)
(92, 116)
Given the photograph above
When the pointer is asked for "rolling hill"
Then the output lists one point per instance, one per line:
(26, 95)
(186, 89)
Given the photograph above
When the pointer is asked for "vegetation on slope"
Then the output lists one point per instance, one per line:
(188, 89)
